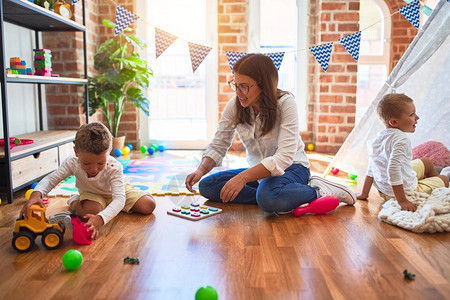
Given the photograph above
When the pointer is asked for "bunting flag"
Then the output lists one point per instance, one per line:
(351, 43)
(322, 53)
(233, 57)
(123, 19)
(277, 58)
(198, 54)
(163, 40)
(74, 2)
(411, 12)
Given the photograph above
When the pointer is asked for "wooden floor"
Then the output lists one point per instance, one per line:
(243, 253)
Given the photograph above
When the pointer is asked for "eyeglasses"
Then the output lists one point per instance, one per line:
(243, 88)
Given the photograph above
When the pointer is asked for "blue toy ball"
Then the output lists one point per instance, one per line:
(161, 148)
(34, 185)
(118, 152)
(130, 146)
(151, 150)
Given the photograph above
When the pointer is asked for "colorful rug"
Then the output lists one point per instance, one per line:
(160, 174)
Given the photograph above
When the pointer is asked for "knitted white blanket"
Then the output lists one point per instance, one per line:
(432, 214)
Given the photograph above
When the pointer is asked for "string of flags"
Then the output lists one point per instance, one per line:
(322, 53)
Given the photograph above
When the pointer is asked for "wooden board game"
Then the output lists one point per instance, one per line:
(194, 212)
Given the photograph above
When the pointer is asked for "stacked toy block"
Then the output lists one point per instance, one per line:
(18, 66)
(42, 62)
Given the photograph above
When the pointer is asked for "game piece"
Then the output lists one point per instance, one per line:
(195, 213)
(195, 204)
(176, 209)
(321, 205)
(206, 293)
(334, 171)
(408, 275)
(203, 207)
(352, 176)
(72, 259)
(131, 260)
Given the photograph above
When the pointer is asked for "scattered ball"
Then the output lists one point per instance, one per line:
(125, 150)
(0, 201)
(143, 149)
(352, 176)
(34, 185)
(206, 293)
(154, 146)
(310, 147)
(28, 194)
(117, 152)
(161, 148)
(72, 259)
(334, 171)
(130, 146)
(150, 150)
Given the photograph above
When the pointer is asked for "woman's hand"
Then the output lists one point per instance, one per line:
(192, 179)
(95, 222)
(35, 198)
(232, 188)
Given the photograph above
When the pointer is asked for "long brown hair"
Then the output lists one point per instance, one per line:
(261, 68)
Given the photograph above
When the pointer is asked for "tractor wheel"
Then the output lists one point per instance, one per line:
(52, 238)
(23, 241)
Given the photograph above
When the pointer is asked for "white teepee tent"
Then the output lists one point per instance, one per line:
(423, 73)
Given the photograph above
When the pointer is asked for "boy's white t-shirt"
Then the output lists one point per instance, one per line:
(390, 156)
(109, 182)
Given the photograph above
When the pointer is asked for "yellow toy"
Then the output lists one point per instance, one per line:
(310, 147)
(28, 194)
(25, 231)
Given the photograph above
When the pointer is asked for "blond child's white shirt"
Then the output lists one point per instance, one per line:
(276, 151)
(108, 182)
(390, 156)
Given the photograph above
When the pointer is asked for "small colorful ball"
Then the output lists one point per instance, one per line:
(117, 152)
(206, 293)
(161, 148)
(352, 176)
(150, 150)
(310, 147)
(0, 201)
(72, 259)
(143, 149)
(154, 146)
(34, 185)
(125, 150)
(28, 194)
(130, 146)
(334, 171)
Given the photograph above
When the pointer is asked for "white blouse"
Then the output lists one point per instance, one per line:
(277, 150)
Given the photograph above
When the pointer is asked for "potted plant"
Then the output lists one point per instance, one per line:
(123, 76)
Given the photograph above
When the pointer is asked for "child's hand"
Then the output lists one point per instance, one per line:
(35, 198)
(95, 222)
(407, 205)
(362, 196)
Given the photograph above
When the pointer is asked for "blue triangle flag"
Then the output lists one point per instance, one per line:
(123, 19)
(411, 12)
(233, 57)
(322, 53)
(351, 43)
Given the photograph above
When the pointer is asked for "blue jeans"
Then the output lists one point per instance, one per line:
(273, 194)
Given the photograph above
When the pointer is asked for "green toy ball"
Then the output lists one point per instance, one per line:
(154, 146)
(72, 259)
(352, 176)
(143, 149)
(206, 293)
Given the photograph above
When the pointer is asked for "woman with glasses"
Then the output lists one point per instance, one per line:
(266, 121)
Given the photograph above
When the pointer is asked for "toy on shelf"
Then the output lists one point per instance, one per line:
(18, 66)
(194, 212)
(43, 62)
(51, 229)
(321, 205)
(13, 142)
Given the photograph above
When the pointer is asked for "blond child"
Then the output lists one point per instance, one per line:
(391, 168)
(99, 179)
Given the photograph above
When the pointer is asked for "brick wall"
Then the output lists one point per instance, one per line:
(232, 36)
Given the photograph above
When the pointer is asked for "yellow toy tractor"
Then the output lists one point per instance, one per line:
(25, 231)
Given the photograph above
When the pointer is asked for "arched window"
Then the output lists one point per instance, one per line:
(373, 63)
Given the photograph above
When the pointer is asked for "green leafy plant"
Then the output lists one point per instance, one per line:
(123, 75)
